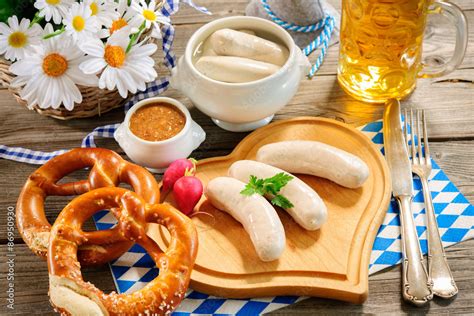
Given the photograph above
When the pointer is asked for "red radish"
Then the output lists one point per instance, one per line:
(177, 169)
(187, 193)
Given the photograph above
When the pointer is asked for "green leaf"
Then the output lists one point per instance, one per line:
(248, 191)
(270, 186)
(274, 184)
(251, 186)
(281, 201)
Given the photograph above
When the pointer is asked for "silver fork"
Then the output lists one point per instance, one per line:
(438, 268)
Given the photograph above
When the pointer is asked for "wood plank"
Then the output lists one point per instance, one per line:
(219, 9)
(463, 4)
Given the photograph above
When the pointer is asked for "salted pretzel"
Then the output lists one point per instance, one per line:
(108, 169)
(71, 295)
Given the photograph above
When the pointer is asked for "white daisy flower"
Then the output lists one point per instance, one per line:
(80, 24)
(150, 14)
(104, 10)
(125, 14)
(17, 38)
(126, 71)
(55, 9)
(50, 74)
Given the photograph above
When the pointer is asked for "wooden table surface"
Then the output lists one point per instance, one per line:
(448, 100)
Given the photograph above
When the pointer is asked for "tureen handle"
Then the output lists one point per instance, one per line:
(303, 62)
(119, 135)
(174, 79)
(198, 134)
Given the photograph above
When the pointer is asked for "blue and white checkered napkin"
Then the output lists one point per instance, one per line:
(455, 219)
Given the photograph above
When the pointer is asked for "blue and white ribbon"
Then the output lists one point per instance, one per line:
(154, 88)
(326, 24)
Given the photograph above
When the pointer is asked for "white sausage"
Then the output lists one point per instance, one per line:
(247, 31)
(317, 159)
(207, 49)
(309, 210)
(256, 214)
(228, 42)
(234, 69)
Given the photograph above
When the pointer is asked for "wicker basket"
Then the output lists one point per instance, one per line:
(95, 101)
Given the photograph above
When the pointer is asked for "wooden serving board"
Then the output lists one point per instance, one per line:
(331, 262)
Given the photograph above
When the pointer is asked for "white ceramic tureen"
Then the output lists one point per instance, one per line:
(241, 106)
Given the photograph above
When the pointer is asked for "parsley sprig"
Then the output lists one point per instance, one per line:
(270, 186)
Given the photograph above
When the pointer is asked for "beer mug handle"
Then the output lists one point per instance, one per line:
(455, 15)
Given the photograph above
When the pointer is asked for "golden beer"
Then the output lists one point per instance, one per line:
(381, 46)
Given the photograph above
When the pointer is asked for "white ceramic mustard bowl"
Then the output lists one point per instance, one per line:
(156, 155)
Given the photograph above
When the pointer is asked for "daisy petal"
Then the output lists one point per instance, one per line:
(81, 78)
(4, 29)
(93, 47)
(19, 81)
(128, 81)
(24, 24)
(163, 19)
(13, 22)
(23, 67)
(45, 97)
(93, 65)
(55, 99)
(106, 80)
(73, 92)
(120, 37)
(143, 51)
(121, 88)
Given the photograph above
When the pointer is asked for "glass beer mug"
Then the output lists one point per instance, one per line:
(381, 46)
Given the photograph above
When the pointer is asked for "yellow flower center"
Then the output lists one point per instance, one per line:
(54, 65)
(53, 2)
(149, 15)
(94, 8)
(117, 25)
(17, 39)
(78, 23)
(114, 56)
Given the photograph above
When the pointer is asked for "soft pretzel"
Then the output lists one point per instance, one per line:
(108, 169)
(71, 295)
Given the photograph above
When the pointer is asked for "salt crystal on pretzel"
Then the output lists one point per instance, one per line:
(71, 295)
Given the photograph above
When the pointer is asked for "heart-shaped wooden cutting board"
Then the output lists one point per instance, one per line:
(331, 262)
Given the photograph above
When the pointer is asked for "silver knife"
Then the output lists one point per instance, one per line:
(416, 285)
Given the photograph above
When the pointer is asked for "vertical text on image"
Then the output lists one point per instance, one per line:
(10, 257)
